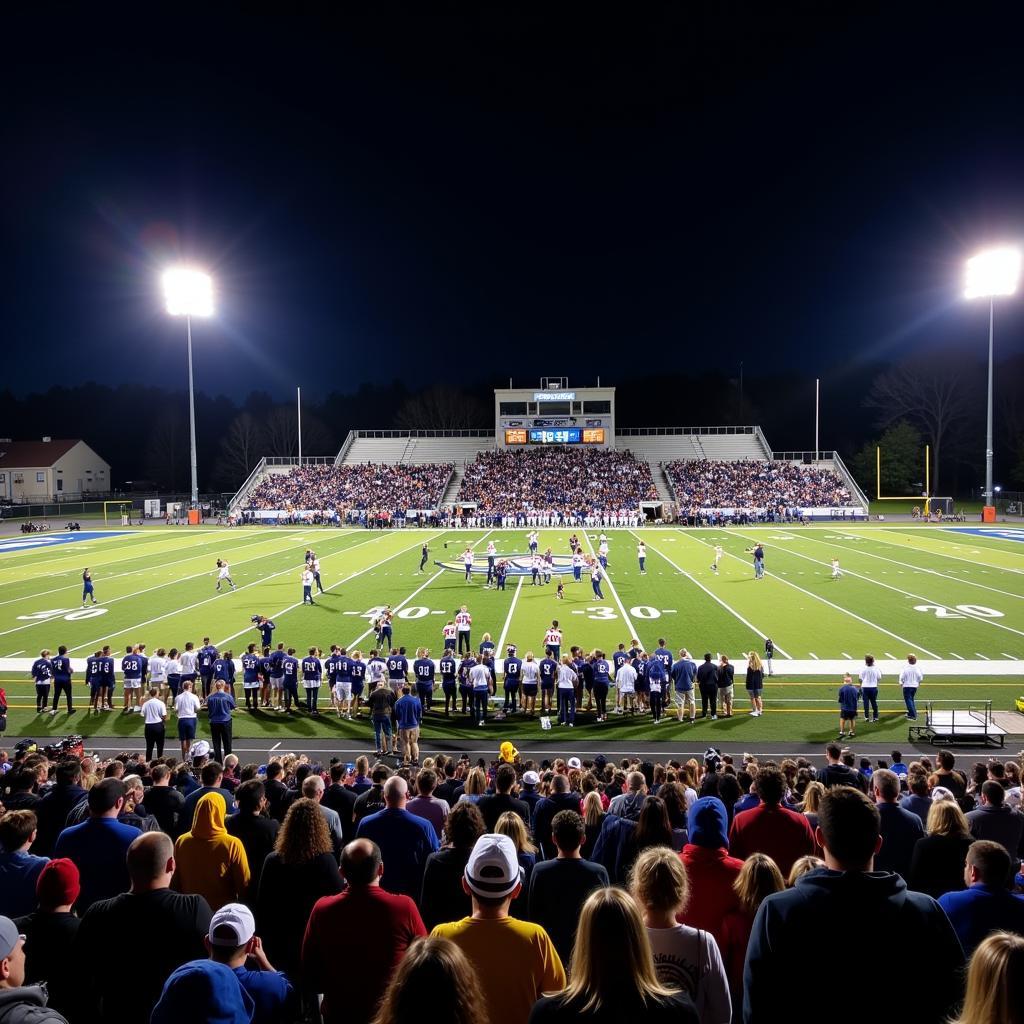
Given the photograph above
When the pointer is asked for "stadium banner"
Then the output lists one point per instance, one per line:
(807, 511)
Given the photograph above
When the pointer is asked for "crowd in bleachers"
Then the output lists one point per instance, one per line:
(383, 489)
(155, 891)
(569, 482)
(757, 489)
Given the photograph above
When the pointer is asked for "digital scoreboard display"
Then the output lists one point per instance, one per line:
(566, 435)
(515, 437)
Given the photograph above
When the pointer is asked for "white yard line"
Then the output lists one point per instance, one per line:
(215, 597)
(146, 590)
(899, 590)
(398, 607)
(1010, 656)
(508, 618)
(715, 597)
(927, 551)
(611, 586)
(957, 656)
(838, 608)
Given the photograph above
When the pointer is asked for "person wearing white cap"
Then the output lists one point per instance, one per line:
(20, 1002)
(515, 961)
(574, 762)
(232, 941)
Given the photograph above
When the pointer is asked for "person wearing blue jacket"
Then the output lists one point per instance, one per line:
(409, 716)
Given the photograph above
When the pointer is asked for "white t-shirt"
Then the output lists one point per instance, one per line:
(153, 711)
(566, 678)
(625, 678)
(173, 667)
(463, 621)
(157, 669)
(186, 705)
(188, 662)
(870, 677)
(910, 677)
(689, 959)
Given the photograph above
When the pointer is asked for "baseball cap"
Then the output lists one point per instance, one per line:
(9, 935)
(58, 884)
(600, 760)
(1013, 798)
(574, 762)
(940, 793)
(531, 779)
(199, 749)
(232, 925)
(492, 870)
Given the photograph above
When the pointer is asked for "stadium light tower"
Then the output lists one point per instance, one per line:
(990, 274)
(189, 293)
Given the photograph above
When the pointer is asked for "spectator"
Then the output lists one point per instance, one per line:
(951, 779)
(511, 825)
(425, 804)
(868, 903)
(529, 793)
(558, 888)
(371, 800)
(276, 791)
(256, 830)
(900, 829)
(835, 773)
(494, 942)
(995, 993)
(20, 1003)
(405, 840)
(593, 818)
(313, 789)
(685, 958)
(613, 981)
(769, 828)
(304, 867)
(386, 923)
(149, 908)
(918, 801)
(212, 776)
(205, 990)
(98, 845)
(560, 799)
(759, 878)
(939, 858)
(19, 869)
(342, 800)
(443, 895)
(804, 866)
(494, 806)
(986, 905)
(209, 860)
(710, 871)
(233, 942)
(163, 801)
(50, 934)
(53, 810)
(996, 821)
(434, 973)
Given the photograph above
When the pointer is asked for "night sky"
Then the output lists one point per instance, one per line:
(452, 198)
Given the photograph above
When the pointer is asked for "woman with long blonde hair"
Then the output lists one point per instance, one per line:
(613, 980)
(755, 683)
(937, 863)
(476, 787)
(511, 825)
(995, 982)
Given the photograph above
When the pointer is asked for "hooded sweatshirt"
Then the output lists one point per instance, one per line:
(211, 862)
(203, 990)
(27, 1005)
(855, 907)
(710, 870)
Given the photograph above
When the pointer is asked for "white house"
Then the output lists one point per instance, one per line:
(50, 470)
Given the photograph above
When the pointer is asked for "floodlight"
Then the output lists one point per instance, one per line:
(188, 292)
(993, 272)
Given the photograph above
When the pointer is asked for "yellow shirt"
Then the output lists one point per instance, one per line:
(515, 963)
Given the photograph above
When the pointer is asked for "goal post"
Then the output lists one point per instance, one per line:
(116, 511)
(904, 497)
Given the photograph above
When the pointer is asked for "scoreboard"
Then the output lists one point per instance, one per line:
(565, 435)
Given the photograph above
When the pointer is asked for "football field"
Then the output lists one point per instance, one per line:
(952, 595)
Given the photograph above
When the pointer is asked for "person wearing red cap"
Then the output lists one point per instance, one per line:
(50, 933)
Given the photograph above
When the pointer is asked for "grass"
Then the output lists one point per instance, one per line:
(930, 590)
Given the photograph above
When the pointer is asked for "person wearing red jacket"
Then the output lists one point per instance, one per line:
(710, 870)
(770, 828)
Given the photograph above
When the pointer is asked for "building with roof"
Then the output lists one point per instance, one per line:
(50, 469)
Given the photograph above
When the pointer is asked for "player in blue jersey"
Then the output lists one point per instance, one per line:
(398, 669)
(663, 654)
(266, 627)
(643, 692)
(312, 676)
(512, 671)
(449, 669)
(94, 680)
(42, 674)
(224, 672)
(548, 675)
(290, 667)
(251, 678)
(657, 681)
(595, 581)
(277, 677)
(466, 666)
(207, 655)
(109, 683)
(265, 669)
(486, 649)
(423, 671)
(62, 679)
(88, 593)
(359, 669)
(131, 668)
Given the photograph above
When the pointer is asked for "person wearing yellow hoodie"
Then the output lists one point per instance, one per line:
(211, 862)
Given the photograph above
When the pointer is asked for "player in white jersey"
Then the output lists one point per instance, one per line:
(836, 571)
(641, 557)
(553, 640)
(718, 558)
(449, 631)
(463, 626)
(224, 573)
(467, 561)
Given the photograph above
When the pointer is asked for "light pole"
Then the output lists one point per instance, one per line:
(188, 293)
(991, 273)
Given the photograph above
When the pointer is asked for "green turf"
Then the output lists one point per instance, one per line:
(157, 586)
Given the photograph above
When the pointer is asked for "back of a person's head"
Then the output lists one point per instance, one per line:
(104, 795)
(338, 771)
(148, 856)
(395, 790)
(464, 825)
(849, 824)
(886, 784)
(833, 750)
(274, 770)
(946, 819)
(69, 772)
(211, 773)
(248, 796)
(380, 774)
(360, 862)
(303, 834)
(658, 880)
(568, 830)
(993, 793)
(653, 826)
(312, 785)
(759, 877)
(995, 982)
(16, 828)
(504, 778)
(991, 861)
(770, 785)
(434, 974)
(605, 973)
(635, 781)
(919, 784)
(426, 781)
(946, 760)
(803, 866)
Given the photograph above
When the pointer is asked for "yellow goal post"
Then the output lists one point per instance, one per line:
(904, 497)
(116, 511)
